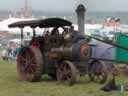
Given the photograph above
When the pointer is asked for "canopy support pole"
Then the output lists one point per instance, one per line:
(22, 37)
(34, 32)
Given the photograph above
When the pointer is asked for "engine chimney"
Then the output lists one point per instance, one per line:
(81, 17)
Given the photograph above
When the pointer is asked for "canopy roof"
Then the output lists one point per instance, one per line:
(42, 23)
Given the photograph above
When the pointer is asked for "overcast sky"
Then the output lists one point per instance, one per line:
(66, 5)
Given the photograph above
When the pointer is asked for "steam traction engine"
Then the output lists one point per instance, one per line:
(60, 52)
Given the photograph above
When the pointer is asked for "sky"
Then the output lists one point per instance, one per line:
(66, 5)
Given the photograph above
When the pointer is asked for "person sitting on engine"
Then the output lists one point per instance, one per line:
(55, 36)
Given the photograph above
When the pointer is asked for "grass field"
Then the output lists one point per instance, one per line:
(10, 86)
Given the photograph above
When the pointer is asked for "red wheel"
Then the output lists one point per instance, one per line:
(29, 64)
(66, 72)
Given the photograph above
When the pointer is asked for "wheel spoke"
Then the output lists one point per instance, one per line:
(60, 74)
(32, 59)
(30, 70)
(22, 59)
(34, 65)
(68, 76)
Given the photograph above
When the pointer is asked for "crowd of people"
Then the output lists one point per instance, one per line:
(114, 23)
(10, 52)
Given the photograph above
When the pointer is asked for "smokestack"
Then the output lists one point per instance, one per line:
(81, 17)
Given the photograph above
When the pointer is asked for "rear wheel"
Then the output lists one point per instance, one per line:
(29, 64)
(66, 72)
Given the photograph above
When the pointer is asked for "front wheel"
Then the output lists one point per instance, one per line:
(66, 71)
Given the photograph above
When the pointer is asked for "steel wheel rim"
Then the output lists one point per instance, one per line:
(66, 72)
